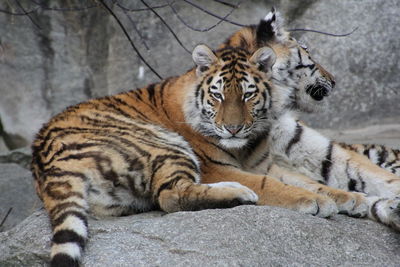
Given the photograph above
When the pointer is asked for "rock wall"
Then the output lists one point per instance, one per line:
(78, 55)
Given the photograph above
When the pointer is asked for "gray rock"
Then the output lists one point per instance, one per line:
(243, 236)
(17, 192)
(365, 64)
(79, 55)
(21, 156)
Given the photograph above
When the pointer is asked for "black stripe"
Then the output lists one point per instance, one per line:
(352, 185)
(382, 156)
(295, 139)
(374, 210)
(151, 93)
(181, 173)
(168, 185)
(264, 32)
(63, 206)
(60, 219)
(138, 112)
(117, 109)
(327, 163)
(66, 236)
(299, 54)
(161, 90)
(159, 161)
(261, 160)
(209, 159)
(301, 66)
(263, 182)
(64, 260)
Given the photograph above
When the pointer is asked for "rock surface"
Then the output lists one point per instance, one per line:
(79, 55)
(16, 192)
(242, 236)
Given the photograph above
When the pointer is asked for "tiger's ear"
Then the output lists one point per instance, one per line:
(264, 58)
(271, 28)
(204, 57)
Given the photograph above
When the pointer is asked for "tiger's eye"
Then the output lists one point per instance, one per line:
(217, 96)
(248, 95)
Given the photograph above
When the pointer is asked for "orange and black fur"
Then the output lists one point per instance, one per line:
(305, 98)
(210, 138)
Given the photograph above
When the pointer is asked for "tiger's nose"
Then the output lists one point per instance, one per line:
(233, 129)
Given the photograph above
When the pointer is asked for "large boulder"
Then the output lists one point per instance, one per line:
(78, 55)
(242, 236)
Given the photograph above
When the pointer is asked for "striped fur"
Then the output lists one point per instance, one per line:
(218, 136)
(298, 71)
(307, 85)
(383, 156)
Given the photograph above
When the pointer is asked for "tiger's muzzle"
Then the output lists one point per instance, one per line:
(320, 89)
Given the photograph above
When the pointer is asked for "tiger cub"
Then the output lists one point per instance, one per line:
(297, 71)
(206, 139)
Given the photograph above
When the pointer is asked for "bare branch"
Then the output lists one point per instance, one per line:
(140, 9)
(205, 29)
(166, 25)
(129, 38)
(19, 14)
(5, 217)
(325, 33)
(226, 3)
(134, 27)
(23, 10)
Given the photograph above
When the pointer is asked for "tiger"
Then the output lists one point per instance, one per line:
(210, 138)
(305, 97)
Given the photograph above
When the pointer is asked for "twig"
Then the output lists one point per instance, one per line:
(166, 25)
(5, 217)
(134, 27)
(226, 3)
(23, 10)
(139, 9)
(129, 38)
(205, 29)
(325, 33)
(19, 14)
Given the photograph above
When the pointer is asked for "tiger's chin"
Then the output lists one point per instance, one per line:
(233, 142)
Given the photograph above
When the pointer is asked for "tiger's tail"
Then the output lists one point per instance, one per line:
(65, 200)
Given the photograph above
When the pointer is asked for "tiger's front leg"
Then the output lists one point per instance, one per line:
(351, 203)
(271, 191)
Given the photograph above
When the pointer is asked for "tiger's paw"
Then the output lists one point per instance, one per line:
(386, 211)
(351, 203)
(237, 193)
(317, 205)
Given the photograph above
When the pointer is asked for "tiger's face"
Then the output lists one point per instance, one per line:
(309, 83)
(234, 100)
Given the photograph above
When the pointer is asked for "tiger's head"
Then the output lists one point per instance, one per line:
(233, 99)
(294, 67)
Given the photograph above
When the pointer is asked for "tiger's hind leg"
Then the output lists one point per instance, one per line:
(383, 156)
